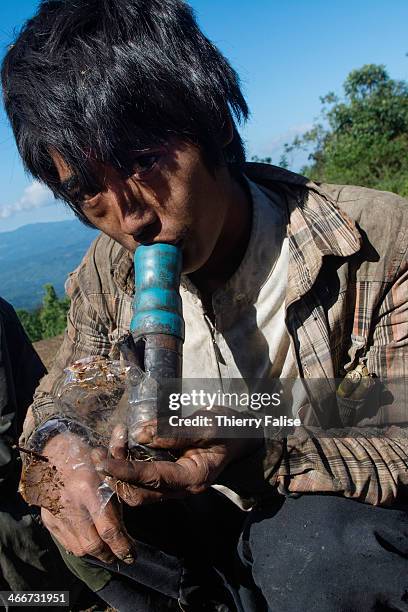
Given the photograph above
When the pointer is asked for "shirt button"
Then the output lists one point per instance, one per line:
(306, 370)
(240, 297)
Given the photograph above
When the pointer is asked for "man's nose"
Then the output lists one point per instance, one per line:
(137, 224)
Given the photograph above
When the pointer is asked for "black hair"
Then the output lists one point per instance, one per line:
(91, 78)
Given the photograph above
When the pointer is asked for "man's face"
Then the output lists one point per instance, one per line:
(170, 197)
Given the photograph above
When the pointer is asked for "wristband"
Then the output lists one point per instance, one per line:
(55, 426)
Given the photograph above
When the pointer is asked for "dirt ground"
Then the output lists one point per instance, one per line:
(47, 349)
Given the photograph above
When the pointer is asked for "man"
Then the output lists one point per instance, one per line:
(29, 559)
(126, 111)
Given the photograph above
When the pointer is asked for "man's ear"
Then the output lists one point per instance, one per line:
(227, 133)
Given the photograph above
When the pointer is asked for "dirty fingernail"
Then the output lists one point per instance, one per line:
(99, 467)
(129, 559)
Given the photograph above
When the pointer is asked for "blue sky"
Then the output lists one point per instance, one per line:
(287, 54)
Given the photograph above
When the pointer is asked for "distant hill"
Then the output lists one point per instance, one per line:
(40, 253)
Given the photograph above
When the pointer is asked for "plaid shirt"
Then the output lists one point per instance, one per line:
(346, 303)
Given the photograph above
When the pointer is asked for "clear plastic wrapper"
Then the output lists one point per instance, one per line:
(142, 403)
(99, 396)
(95, 393)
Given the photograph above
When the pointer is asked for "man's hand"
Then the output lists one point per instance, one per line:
(202, 460)
(67, 487)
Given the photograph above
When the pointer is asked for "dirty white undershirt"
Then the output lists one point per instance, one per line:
(249, 338)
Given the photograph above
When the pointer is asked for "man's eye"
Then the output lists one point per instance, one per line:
(142, 164)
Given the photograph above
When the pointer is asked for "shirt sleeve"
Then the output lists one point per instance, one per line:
(369, 469)
(356, 463)
(86, 335)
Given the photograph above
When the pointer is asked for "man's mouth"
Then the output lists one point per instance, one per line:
(179, 242)
(149, 236)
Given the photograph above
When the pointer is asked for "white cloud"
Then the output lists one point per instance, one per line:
(34, 195)
(275, 145)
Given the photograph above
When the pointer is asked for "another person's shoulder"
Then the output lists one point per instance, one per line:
(97, 271)
(7, 312)
(9, 318)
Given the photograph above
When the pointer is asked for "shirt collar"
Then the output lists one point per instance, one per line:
(316, 227)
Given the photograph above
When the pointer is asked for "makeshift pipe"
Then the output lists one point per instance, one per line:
(157, 328)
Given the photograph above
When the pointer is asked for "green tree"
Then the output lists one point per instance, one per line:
(53, 313)
(47, 321)
(361, 138)
(31, 323)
